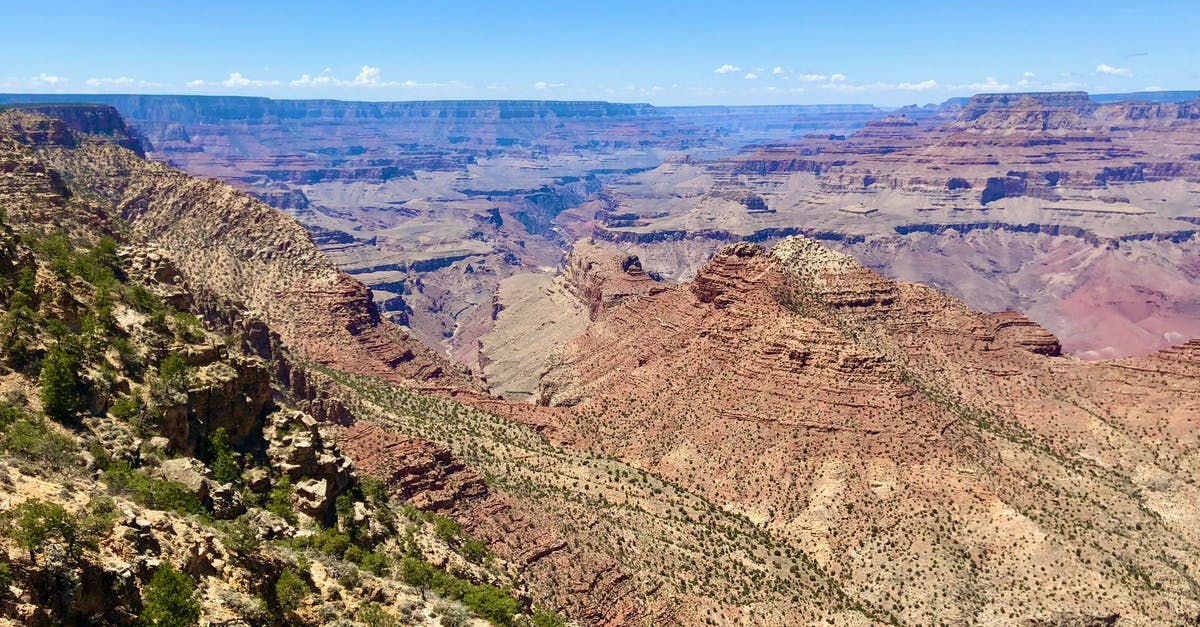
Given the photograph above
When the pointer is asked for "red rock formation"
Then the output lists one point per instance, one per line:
(602, 277)
(414, 470)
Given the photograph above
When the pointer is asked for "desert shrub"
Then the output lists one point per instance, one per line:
(62, 389)
(33, 439)
(188, 328)
(486, 600)
(126, 409)
(20, 324)
(290, 590)
(35, 523)
(373, 615)
(173, 372)
(9, 414)
(159, 494)
(451, 615)
(240, 536)
(492, 603)
(374, 563)
(221, 458)
(5, 577)
(545, 618)
(279, 501)
(446, 529)
(475, 551)
(170, 599)
(99, 326)
(142, 299)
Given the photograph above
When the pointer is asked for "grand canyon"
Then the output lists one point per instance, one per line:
(550, 362)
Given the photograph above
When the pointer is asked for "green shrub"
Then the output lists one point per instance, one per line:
(290, 590)
(159, 494)
(240, 537)
(374, 563)
(173, 372)
(475, 551)
(492, 603)
(19, 326)
(5, 577)
(279, 501)
(332, 542)
(221, 458)
(62, 389)
(372, 615)
(127, 409)
(416, 573)
(545, 618)
(188, 328)
(170, 600)
(143, 299)
(447, 529)
(9, 414)
(99, 327)
(33, 439)
(35, 523)
(488, 601)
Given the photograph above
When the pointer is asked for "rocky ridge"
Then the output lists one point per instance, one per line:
(875, 422)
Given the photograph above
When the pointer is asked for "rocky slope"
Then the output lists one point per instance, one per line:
(470, 509)
(139, 440)
(891, 430)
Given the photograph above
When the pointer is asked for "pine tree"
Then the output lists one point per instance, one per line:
(60, 381)
(170, 600)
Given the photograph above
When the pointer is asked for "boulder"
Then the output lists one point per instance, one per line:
(311, 496)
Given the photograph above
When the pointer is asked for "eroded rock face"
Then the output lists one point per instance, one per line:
(222, 499)
(297, 447)
(232, 393)
(415, 470)
(603, 277)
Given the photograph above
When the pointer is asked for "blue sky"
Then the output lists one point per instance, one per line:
(664, 52)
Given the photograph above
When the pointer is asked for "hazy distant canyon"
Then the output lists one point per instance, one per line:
(1081, 212)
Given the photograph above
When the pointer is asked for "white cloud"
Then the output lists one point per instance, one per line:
(194, 84)
(727, 69)
(854, 88)
(540, 85)
(921, 86)
(750, 76)
(368, 77)
(123, 82)
(43, 81)
(47, 79)
(1028, 75)
(1104, 68)
(237, 80)
(990, 84)
(814, 78)
(778, 71)
(1152, 88)
(838, 78)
